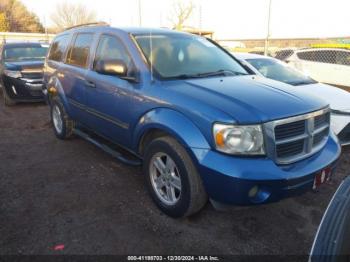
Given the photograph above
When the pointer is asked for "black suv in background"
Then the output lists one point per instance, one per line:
(21, 71)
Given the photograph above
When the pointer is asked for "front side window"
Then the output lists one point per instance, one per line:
(13, 54)
(186, 56)
(279, 71)
(78, 53)
(307, 55)
(58, 47)
(110, 48)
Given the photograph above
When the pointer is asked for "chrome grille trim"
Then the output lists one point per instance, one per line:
(309, 148)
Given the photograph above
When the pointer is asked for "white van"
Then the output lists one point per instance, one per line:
(326, 65)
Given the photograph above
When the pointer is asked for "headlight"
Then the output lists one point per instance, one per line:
(14, 74)
(239, 140)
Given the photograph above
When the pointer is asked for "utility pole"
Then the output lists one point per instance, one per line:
(200, 17)
(268, 29)
(140, 13)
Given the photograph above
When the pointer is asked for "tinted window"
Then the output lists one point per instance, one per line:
(283, 54)
(78, 53)
(110, 48)
(189, 56)
(343, 58)
(279, 71)
(325, 56)
(58, 48)
(321, 56)
(309, 56)
(13, 54)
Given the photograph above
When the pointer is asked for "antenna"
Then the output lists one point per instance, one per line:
(151, 54)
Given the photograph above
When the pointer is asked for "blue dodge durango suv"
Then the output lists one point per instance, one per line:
(201, 124)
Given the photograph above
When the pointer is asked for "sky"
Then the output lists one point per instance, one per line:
(229, 19)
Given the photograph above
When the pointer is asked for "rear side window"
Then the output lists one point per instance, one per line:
(78, 53)
(58, 48)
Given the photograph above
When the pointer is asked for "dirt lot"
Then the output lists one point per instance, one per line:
(71, 193)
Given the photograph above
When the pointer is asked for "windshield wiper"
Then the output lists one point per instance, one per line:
(299, 83)
(221, 72)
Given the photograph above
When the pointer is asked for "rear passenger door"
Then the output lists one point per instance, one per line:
(109, 99)
(74, 72)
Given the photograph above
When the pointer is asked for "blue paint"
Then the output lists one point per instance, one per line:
(123, 111)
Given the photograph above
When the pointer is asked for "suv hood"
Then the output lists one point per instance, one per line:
(21, 65)
(248, 99)
(336, 97)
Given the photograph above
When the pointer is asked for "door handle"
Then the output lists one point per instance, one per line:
(90, 84)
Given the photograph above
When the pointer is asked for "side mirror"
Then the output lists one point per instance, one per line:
(112, 67)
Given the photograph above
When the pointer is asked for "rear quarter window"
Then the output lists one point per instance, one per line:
(58, 48)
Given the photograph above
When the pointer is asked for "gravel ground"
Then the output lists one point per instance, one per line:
(71, 193)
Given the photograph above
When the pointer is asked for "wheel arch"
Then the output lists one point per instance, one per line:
(55, 83)
(167, 122)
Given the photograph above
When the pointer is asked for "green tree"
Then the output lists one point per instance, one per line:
(19, 18)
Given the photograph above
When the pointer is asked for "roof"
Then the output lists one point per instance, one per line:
(129, 30)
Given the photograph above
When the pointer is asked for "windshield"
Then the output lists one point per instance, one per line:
(280, 71)
(182, 56)
(13, 54)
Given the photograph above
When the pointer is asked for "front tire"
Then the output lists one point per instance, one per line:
(172, 179)
(63, 125)
(7, 100)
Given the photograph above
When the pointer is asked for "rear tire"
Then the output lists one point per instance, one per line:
(172, 179)
(63, 125)
(7, 100)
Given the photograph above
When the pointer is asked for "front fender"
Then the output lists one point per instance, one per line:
(173, 123)
(56, 83)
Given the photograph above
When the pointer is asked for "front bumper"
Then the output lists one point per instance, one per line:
(229, 179)
(23, 89)
(341, 126)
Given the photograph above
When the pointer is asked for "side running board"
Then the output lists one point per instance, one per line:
(109, 148)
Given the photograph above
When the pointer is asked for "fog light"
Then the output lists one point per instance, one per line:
(52, 91)
(253, 191)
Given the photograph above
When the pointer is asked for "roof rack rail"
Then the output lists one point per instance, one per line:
(88, 24)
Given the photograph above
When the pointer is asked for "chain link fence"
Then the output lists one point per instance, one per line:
(325, 60)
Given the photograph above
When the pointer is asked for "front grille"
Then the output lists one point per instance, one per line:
(290, 149)
(32, 75)
(321, 120)
(33, 80)
(295, 138)
(290, 130)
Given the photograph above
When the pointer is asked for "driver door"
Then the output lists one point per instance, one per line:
(109, 97)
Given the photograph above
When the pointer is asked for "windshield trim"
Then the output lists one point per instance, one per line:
(307, 79)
